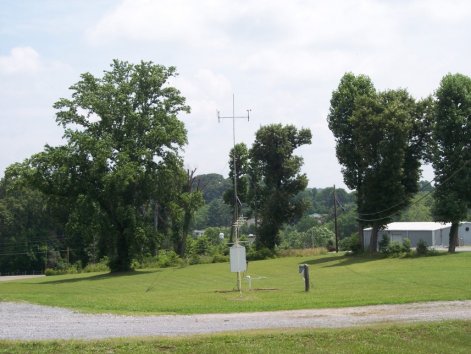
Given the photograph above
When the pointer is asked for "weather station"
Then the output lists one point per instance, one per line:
(237, 252)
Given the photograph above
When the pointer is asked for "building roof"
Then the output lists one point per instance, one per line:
(415, 226)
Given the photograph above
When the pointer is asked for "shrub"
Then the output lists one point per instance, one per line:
(50, 271)
(167, 259)
(202, 245)
(263, 253)
(194, 259)
(406, 246)
(395, 249)
(219, 258)
(422, 248)
(432, 252)
(101, 266)
(71, 269)
(351, 243)
(319, 236)
(205, 259)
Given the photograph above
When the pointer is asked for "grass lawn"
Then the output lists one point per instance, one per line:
(444, 337)
(337, 281)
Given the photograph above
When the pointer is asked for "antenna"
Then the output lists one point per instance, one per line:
(236, 198)
(237, 222)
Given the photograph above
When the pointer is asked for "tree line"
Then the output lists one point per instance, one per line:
(117, 187)
(382, 137)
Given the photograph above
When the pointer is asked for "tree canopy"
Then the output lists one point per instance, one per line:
(121, 155)
(281, 179)
(452, 152)
(380, 141)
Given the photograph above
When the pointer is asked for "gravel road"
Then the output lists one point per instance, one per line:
(25, 321)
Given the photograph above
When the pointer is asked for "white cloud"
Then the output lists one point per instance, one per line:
(281, 58)
(225, 23)
(21, 60)
(29, 85)
(451, 11)
(165, 20)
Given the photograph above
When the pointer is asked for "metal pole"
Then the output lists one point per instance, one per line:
(234, 167)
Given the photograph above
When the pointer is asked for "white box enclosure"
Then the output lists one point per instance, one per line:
(238, 259)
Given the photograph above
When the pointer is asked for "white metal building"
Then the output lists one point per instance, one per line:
(435, 234)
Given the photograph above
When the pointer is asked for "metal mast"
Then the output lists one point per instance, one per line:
(234, 167)
(236, 222)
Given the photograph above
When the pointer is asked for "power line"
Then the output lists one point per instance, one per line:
(21, 253)
(34, 241)
(35, 252)
(404, 202)
(398, 211)
(413, 203)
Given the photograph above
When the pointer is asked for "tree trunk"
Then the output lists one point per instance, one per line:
(183, 239)
(453, 238)
(156, 215)
(361, 236)
(122, 262)
(181, 246)
(374, 239)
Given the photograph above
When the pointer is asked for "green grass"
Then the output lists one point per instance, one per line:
(442, 337)
(337, 281)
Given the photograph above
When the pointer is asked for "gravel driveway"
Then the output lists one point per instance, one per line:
(32, 322)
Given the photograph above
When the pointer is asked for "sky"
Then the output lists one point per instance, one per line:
(281, 59)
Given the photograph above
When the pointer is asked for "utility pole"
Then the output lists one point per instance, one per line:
(236, 222)
(335, 219)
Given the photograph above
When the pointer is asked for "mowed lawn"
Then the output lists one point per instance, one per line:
(337, 281)
(437, 337)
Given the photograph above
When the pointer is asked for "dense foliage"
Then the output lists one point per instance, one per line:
(120, 166)
(116, 191)
(281, 179)
(452, 152)
(380, 141)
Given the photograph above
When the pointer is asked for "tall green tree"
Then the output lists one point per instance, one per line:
(381, 140)
(383, 132)
(343, 104)
(452, 152)
(121, 129)
(281, 179)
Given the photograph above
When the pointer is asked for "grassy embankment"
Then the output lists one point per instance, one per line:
(445, 337)
(337, 281)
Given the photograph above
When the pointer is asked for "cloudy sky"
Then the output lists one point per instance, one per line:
(281, 59)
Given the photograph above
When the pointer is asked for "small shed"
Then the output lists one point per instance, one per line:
(435, 234)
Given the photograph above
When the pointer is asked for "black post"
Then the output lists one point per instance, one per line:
(335, 223)
(306, 277)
